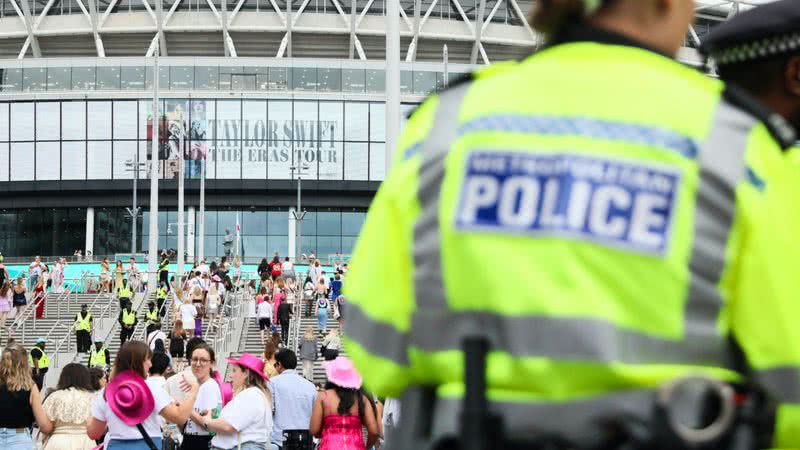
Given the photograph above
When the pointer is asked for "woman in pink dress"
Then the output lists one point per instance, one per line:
(6, 299)
(342, 409)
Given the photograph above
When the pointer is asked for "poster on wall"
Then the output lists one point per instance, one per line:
(280, 143)
(176, 126)
(198, 138)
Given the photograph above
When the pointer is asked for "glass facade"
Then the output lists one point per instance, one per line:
(61, 231)
(239, 139)
(218, 78)
(58, 231)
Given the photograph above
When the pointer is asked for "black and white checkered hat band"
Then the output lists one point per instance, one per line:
(763, 48)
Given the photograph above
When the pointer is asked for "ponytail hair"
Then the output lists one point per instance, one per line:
(550, 16)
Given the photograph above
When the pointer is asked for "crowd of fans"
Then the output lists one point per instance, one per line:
(143, 404)
(165, 392)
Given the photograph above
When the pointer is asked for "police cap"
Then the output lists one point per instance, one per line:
(765, 31)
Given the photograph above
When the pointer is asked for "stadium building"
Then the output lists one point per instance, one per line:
(255, 88)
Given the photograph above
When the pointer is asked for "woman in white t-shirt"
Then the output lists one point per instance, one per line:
(131, 366)
(246, 422)
(264, 314)
(188, 313)
(209, 398)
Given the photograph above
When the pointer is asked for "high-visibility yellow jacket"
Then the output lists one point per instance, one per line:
(97, 358)
(128, 317)
(44, 360)
(151, 316)
(606, 216)
(83, 323)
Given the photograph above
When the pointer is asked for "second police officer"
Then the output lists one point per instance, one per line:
(647, 209)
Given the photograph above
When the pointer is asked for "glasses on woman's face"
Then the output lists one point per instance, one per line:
(200, 361)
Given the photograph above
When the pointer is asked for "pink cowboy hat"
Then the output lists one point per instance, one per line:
(130, 398)
(341, 372)
(251, 362)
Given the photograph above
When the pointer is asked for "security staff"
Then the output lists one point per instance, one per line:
(616, 180)
(161, 297)
(124, 293)
(127, 323)
(99, 355)
(83, 329)
(163, 269)
(151, 317)
(39, 361)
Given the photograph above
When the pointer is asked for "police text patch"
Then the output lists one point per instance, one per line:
(626, 204)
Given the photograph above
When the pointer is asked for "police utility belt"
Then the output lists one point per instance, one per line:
(690, 413)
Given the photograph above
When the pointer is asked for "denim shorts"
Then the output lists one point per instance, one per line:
(10, 439)
(249, 445)
(133, 444)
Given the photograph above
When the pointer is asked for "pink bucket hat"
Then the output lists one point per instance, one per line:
(342, 372)
(130, 398)
(251, 362)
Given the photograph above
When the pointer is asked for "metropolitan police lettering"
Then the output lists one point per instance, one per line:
(626, 204)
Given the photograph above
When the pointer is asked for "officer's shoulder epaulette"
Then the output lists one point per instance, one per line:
(780, 129)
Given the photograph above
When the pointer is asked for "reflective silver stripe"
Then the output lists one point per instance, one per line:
(379, 338)
(567, 338)
(436, 328)
(722, 167)
(580, 421)
(429, 291)
(782, 382)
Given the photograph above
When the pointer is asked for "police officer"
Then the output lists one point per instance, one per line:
(127, 323)
(151, 317)
(759, 51)
(99, 355)
(83, 329)
(616, 181)
(39, 361)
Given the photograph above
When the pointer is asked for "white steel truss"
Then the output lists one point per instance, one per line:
(419, 25)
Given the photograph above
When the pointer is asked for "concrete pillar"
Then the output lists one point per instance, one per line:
(89, 247)
(190, 235)
(292, 234)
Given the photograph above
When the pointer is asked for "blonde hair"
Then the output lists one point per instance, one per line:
(15, 373)
(254, 380)
(309, 333)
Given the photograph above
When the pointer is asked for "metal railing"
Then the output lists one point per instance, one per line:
(64, 346)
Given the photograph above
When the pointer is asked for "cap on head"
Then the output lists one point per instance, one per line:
(41, 341)
(763, 32)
